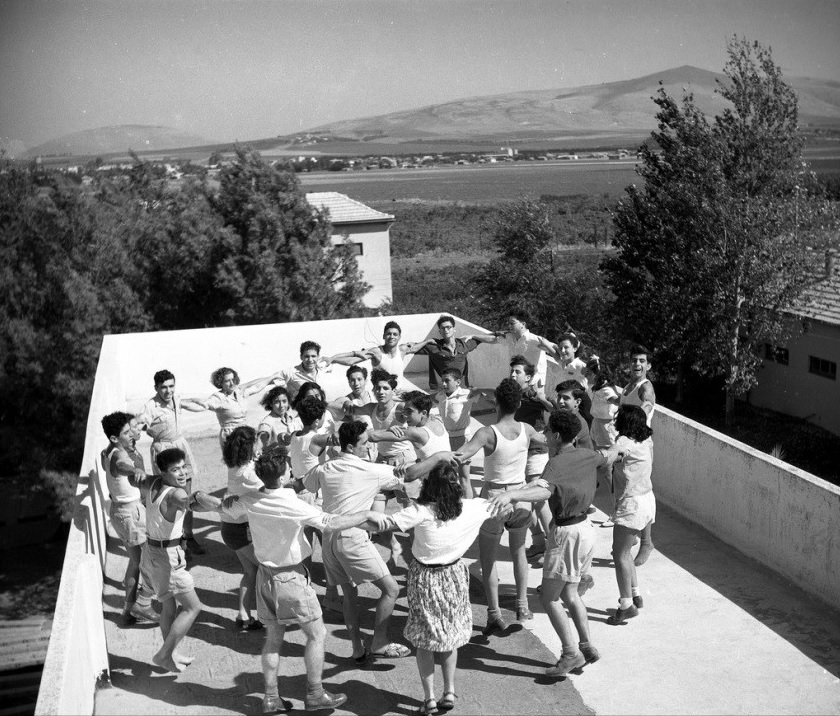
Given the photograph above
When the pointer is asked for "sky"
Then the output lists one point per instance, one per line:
(245, 70)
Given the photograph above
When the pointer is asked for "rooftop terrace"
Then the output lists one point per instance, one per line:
(741, 595)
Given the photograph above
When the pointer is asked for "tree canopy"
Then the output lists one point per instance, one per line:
(714, 245)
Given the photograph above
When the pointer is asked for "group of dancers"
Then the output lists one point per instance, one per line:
(313, 467)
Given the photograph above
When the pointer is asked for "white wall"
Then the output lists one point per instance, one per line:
(792, 390)
(784, 517)
(375, 261)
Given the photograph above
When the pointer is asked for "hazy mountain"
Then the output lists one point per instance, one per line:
(623, 106)
(104, 140)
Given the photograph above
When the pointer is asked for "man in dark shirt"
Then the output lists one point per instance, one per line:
(449, 352)
(568, 483)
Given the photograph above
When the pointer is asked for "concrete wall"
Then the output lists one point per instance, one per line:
(375, 261)
(783, 517)
(792, 390)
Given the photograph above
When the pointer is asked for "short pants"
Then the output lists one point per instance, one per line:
(635, 512)
(520, 518)
(285, 595)
(569, 551)
(168, 569)
(129, 522)
(351, 558)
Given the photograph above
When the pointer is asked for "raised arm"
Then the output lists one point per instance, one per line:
(532, 493)
(256, 385)
(420, 469)
(546, 345)
(647, 396)
(482, 338)
(347, 358)
(193, 405)
(484, 437)
(419, 345)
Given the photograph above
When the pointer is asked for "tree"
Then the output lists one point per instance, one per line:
(713, 248)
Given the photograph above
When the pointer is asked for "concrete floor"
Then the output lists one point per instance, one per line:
(719, 633)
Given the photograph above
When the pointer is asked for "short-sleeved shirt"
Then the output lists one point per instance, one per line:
(442, 358)
(162, 419)
(349, 484)
(572, 477)
(230, 408)
(277, 518)
(276, 427)
(455, 410)
(631, 475)
(583, 439)
(295, 377)
(439, 542)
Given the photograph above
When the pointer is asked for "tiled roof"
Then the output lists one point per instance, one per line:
(821, 300)
(344, 210)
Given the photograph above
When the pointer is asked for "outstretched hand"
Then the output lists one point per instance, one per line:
(499, 504)
(380, 520)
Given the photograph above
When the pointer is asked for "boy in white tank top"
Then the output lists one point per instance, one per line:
(505, 447)
(639, 391)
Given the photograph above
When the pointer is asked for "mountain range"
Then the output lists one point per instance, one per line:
(612, 108)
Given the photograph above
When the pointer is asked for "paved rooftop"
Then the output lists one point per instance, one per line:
(719, 634)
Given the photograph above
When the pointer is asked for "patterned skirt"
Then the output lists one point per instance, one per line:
(439, 612)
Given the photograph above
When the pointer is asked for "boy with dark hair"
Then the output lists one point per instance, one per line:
(568, 483)
(128, 516)
(570, 395)
(639, 391)
(505, 446)
(167, 502)
(307, 371)
(285, 595)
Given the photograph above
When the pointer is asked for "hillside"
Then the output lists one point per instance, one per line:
(106, 140)
(616, 107)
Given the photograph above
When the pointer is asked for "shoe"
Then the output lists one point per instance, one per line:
(608, 523)
(447, 703)
(536, 549)
(361, 660)
(523, 614)
(586, 583)
(621, 615)
(275, 704)
(428, 707)
(496, 623)
(590, 653)
(565, 664)
(324, 701)
(638, 602)
(145, 613)
(392, 651)
(190, 545)
(251, 625)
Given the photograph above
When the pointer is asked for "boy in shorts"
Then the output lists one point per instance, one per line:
(284, 591)
(128, 516)
(505, 446)
(568, 483)
(167, 502)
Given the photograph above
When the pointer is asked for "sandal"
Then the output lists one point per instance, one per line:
(447, 703)
(428, 707)
(251, 625)
(359, 660)
(393, 651)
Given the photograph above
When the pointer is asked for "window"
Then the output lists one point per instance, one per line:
(776, 354)
(822, 367)
(357, 249)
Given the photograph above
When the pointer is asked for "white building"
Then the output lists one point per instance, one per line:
(370, 232)
(800, 378)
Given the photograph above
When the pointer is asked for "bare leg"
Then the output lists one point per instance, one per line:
(449, 660)
(577, 609)
(132, 575)
(550, 598)
(313, 655)
(625, 570)
(516, 540)
(351, 618)
(645, 548)
(248, 582)
(167, 616)
(488, 544)
(274, 634)
(190, 607)
(426, 667)
(384, 610)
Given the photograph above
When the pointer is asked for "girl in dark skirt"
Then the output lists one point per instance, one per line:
(439, 613)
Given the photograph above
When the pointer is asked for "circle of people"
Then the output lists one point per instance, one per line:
(328, 469)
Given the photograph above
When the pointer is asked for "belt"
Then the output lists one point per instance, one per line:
(504, 485)
(566, 521)
(437, 566)
(163, 543)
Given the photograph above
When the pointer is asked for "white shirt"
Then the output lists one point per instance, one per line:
(277, 518)
(528, 345)
(439, 542)
(293, 378)
(455, 410)
(348, 484)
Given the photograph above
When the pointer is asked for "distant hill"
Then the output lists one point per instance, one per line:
(615, 107)
(106, 140)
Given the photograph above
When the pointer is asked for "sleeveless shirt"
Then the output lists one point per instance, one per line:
(121, 490)
(301, 456)
(389, 449)
(632, 398)
(395, 366)
(157, 526)
(506, 464)
(435, 443)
